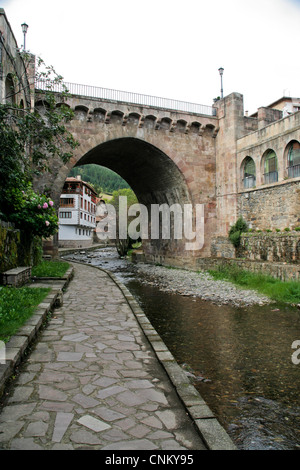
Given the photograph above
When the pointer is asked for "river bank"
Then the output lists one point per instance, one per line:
(198, 284)
(174, 280)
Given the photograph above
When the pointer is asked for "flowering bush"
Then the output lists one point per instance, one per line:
(36, 214)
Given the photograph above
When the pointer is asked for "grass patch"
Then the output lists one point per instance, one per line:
(50, 269)
(16, 306)
(280, 291)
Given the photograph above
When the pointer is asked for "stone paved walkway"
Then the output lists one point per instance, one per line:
(92, 381)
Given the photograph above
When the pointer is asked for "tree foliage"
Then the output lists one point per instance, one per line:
(36, 214)
(103, 179)
(236, 230)
(123, 244)
(29, 139)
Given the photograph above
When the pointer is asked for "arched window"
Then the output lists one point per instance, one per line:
(21, 106)
(249, 173)
(293, 159)
(10, 96)
(270, 167)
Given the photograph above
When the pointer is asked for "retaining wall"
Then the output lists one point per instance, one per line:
(9, 244)
(283, 247)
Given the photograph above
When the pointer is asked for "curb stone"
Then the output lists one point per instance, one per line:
(213, 434)
(16, 347)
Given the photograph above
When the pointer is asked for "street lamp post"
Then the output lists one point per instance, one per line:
(221, 70)
(24, 29)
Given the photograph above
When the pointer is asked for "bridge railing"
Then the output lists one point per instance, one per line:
(108, 94)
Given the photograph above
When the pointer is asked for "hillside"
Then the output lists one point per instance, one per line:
(103, 179)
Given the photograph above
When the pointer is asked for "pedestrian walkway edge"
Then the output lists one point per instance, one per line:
(206, 424)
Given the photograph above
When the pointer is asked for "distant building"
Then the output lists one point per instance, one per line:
(77, 214)
(284, 106)
(287, 105)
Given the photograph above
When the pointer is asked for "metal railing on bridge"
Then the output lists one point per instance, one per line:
(108, 94)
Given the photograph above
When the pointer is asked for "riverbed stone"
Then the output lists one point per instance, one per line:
(198, 285)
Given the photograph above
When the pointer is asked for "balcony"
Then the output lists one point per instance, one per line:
(271, 177)
(294, 171)
(70, 190)
(249, 182)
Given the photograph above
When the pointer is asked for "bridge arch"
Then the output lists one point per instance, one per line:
(154, 177)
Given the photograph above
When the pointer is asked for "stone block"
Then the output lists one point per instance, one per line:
(16, 276)
(214, 434)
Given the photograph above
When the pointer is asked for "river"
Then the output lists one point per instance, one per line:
(239, 358)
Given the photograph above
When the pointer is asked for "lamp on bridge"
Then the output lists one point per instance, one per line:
(221, 70)
(24, 29)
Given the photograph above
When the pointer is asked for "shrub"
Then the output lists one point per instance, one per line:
(236, 230)
(35, 214)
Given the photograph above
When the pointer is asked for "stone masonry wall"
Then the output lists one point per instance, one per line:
(276, 254)
(9, 242)
(222, 247)
(273, 247)
(276, 207)
(282, 271)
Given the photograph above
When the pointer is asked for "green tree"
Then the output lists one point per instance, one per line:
(29, 138)
(100, 176)
(123, 244)
(236, 230)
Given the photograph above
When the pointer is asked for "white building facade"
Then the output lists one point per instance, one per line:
(77, 214)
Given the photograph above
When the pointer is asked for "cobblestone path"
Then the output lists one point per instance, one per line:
(92, 381)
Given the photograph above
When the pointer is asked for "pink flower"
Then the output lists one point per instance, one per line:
(47, 223)
(45, 205)
(39, 206)
(51, 203)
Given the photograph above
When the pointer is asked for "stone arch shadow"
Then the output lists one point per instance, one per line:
(154, 177)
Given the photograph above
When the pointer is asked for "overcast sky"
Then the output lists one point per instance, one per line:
(168, 48)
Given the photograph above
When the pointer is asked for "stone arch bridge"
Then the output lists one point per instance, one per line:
(166, 155)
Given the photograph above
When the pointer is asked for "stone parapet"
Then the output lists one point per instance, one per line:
(222, 247)
(282, 271)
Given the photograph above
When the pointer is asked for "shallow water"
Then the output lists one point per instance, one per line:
(240, 359)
